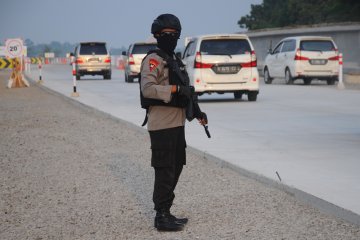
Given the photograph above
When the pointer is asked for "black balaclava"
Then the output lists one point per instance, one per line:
(167, 43)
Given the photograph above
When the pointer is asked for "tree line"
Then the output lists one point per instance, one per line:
(60, 49)
(282, 13)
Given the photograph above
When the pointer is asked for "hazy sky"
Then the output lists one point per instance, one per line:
(117, 22)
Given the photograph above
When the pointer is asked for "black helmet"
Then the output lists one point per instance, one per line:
(165, 21)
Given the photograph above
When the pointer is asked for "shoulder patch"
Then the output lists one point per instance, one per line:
(153, 63)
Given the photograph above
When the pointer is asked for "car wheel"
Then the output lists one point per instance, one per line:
(130, 79)
(252, 96)
(307, 81)
(267, 78)
(288, 78)
(330, 81)
(237, 95)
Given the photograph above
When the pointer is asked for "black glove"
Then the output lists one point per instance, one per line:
(203, 116)
(185, 91)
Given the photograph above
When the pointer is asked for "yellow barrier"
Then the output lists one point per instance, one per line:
(34, 60)
(6, 63)
(17, 79)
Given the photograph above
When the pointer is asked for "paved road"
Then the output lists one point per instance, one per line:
(309, 135)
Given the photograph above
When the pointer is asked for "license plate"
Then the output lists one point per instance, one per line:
(93, 60)
(226, 69)
(318, 61)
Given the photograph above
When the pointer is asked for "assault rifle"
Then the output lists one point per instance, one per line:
(192, 109)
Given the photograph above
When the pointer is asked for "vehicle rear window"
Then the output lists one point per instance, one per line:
(143, 48)
(316, 45)
(225, 47)
(93, 49)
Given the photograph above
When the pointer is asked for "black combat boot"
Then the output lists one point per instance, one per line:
(179, 220)
(166, 222)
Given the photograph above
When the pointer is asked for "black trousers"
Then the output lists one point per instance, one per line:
(168, 157)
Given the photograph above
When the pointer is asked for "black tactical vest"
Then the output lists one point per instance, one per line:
(177, 76)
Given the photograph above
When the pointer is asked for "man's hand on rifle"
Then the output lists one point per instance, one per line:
(182, 90)
(203, 121)
(202, 118)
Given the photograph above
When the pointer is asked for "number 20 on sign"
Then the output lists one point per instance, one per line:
(14, 47)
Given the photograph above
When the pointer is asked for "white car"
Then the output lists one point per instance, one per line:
(222, 63)
(303, 57)
(134, 56)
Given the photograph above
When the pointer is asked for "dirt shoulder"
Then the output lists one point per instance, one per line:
(70, 173)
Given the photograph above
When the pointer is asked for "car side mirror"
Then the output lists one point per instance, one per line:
(178, 54)
(123, 53)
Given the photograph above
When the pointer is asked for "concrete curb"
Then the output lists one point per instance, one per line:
(352, 78)
(318, 203)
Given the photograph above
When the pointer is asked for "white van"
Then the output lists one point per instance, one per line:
(303, 57)
(222, 63)
(134, 56)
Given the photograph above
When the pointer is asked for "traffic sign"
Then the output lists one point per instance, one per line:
(2, 51)
(14, 47)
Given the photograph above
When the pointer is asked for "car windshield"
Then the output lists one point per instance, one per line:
(93, 49)
(143, 48)
(317, 45)
(225, 47)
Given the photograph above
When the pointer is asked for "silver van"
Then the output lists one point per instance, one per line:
(92, 58)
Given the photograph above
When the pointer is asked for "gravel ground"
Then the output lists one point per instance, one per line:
(68, 172)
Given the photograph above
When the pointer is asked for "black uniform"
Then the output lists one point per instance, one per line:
(166, 112)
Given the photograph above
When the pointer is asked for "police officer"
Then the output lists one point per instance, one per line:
(168, 99)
